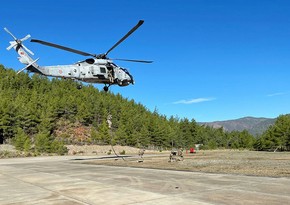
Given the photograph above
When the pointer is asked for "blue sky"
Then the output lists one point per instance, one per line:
(213, 59)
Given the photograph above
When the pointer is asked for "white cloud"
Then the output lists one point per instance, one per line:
(276, 94)
(196, 100)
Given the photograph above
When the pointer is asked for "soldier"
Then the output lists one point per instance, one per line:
(141, 153)
(109, 121)
(180, 154)
(110, 68)
(172, 156)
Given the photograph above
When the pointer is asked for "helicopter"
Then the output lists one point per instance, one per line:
(98, 68)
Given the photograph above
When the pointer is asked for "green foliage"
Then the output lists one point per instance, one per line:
(22, 141)
(104, 134)
(58, 147)
(50, 112)
(277, 136)
(27, 145)
(123, 152)
(42, 143)
(95, 136)
(121, 135)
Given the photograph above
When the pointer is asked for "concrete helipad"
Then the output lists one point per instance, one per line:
(66, 180)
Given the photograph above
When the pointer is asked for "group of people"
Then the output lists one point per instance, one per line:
(175, 155)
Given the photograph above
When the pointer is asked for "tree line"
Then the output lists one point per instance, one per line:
(45, 114)
(276, 137)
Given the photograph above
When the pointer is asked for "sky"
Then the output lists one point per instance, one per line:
(213, 59)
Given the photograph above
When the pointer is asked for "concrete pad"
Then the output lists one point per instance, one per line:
(65, 180)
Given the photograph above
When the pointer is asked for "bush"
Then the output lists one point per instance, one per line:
(44, 144)
(27, 145)
(5, 154)
(123, 152)
(58, 147)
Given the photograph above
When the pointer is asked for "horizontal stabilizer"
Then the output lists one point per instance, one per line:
(27, 66)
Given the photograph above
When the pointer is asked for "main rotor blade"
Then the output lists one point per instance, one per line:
(126, 36)
(63, 47)
(130, 60)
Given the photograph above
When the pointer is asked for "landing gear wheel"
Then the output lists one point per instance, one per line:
(106, 88)
(79, 87)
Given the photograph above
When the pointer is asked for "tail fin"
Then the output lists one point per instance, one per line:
(23, 53)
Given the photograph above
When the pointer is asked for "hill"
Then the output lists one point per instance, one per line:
(41, 110)
(252, 124)
(43, 115)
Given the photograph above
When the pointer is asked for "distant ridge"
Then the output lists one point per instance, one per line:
(254, 125)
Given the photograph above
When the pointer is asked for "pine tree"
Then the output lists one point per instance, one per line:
(121, 135)
(104, 133)
(21, 141)
(42, 143)
(277, 136)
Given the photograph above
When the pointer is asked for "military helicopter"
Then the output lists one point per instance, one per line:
(97, 69)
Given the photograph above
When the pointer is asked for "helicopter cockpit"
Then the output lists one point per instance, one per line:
(123, 77)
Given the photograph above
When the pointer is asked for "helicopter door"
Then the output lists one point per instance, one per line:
(75, 71)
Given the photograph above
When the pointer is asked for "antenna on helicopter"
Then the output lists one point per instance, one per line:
(18, 42)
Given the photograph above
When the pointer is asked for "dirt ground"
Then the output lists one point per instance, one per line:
(271, 164)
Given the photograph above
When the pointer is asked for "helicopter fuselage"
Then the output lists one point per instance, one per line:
(91, 71)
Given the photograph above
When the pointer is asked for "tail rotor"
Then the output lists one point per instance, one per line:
(18, 42)
(10, 33)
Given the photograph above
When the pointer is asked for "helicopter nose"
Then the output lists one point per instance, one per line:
(126, 82)
(131, 80)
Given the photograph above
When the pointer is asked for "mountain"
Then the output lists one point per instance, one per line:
(252, 124)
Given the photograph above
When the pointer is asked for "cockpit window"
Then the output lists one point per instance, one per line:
(125, 70)
(103, 70)
(90, 61)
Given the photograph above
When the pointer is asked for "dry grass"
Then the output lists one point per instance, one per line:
(219, 161)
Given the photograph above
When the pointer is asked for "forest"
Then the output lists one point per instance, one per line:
(43, 115)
